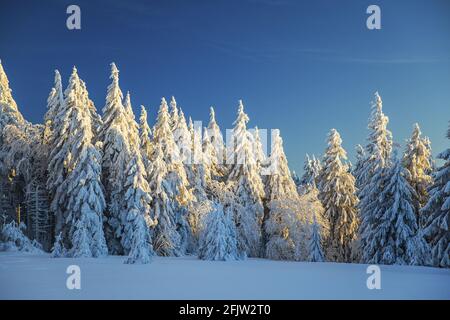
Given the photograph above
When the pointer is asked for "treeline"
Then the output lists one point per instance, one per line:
(87, 185)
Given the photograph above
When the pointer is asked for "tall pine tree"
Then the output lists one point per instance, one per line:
(338, 197)
(83, 214)
(279, 188)
(437, 213)
(416, 160)
(392, 234)
(114, 134)
(248, 187)
(135, 215)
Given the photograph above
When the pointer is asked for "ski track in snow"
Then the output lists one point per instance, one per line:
(30, 276)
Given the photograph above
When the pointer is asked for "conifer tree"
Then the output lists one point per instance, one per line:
(248, 187)
(216, 138)
(315, 243)
(392, 234)
(96, 119)
(55, 103)
(183, 139)
(279, 188)
(135, 215)
(166, 240)
(218, 239)
(50, 139)
(201, 187)
(59, 142)
(114, 135)
(338, 196)
(82, 224)
(258, 149)
(209, 164)
(58, 249)
(179, 192)
(296, 179)
(311, 175)
(377, 158)
(437, 213)
(9, 113)
(145, 138)
(132, 125)
(416, 160)
(174, 117)
(358, 169)
(379, 147)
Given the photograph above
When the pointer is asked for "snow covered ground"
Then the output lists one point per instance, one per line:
(28, 276)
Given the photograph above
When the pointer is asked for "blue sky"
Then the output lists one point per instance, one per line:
(301, 66)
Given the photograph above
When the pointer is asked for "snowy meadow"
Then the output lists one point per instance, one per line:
(40, 277)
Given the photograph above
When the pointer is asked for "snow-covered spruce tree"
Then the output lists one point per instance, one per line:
(96, 119)
(279, 188)
(40, 222)
(182, 196)
(377, 157)
(315, 243)
(209, 164)
(307, 180)
(133, 127)
(183, 139)
(358, 169)
(166, 240)
(145, 138)
(24, 154)
(432, 161)
(82, 225)
(59, 143)
(258, 149)
(216, 138)
(296, 179)
(163, 136)
(248, 187)
(178, 193)
(116, 154)
(58, 250)
(197, 149)
(135, 213)
(298, 214)
(9, 113)
(218, 238)
(309, 210)
(201, 187)
(369, 201)
(57, 136)
(174, 117)
(311, 174)
(55, 102)
(12, 238)
(393, 235)
(191, 128)
(437, 213)
(316, 167)
(416, 159)
(379, 146)
(338, 197)
(10, 116)
(136, 239)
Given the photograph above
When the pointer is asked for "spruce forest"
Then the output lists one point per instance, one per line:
(89, 183)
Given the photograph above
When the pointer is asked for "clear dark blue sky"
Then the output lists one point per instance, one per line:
(301, 66)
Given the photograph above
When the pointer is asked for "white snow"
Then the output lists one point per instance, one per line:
(28, 276)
